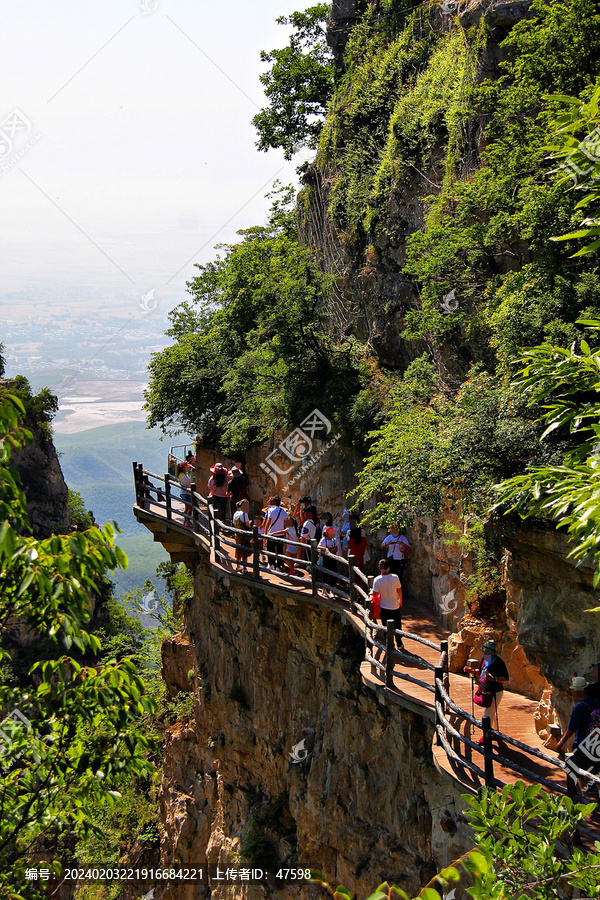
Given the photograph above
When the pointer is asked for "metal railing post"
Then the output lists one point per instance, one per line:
(255, 555)
(136, 483)
(195, 525)
(168, 496)
(369, 613)
(314, 556)
(488, 753)
(444, 661)
(212, 527)
(438, 675)
(389, 654)
(352, 583)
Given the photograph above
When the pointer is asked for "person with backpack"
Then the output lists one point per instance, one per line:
(585, 716)
(491, 675)
(584, 725)
(217, 490)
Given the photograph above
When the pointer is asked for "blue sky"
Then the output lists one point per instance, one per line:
(145, 157)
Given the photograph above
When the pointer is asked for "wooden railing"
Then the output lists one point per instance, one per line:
(161, 496)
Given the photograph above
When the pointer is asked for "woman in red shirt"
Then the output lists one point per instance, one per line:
(357, 544)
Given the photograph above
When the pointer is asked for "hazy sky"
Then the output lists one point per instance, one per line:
(143, 110)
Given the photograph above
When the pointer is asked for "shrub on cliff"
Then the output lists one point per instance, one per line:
(524, 851)
(252, 351)
(68, 737)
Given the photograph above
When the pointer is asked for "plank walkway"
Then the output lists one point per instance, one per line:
(515, 715)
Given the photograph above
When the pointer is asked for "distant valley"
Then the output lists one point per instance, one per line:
(97, 464)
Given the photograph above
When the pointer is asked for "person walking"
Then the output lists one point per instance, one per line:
(308, 530)
(186, 486)
(357, 543)
(243, 547)
(584, 721)
(398, 548)
(491, 675)
(581, 716)
(217, 489)
(387, 585)
(273, 525)
(238, 483)
(327, 566)
(327, 522)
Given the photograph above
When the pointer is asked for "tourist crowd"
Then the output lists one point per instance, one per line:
(285, 536)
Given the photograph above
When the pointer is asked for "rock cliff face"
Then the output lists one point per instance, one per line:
(44, 485)
(42, 481)
(364, 805)
(538, 615)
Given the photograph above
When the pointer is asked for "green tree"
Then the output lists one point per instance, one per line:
(2, 360)
(81, 518)
(298, 85)
(566, 382)
(576, 132)
(252, 352)
(68, 735)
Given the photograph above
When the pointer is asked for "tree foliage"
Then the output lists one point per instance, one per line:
(67, 736)
(298, 85)
(566, 383)
(577, 145)
(524, 851)
(252, 350)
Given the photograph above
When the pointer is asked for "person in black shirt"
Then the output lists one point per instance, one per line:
(238, 483)
(492, 675)
(594, 684)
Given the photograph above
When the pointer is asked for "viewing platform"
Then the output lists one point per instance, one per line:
(417, 679)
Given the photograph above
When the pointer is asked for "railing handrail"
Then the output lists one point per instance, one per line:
(217, 532)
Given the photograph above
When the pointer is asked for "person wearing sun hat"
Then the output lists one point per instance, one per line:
(492, 675)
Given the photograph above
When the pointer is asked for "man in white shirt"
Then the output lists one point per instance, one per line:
(273, 524)
(387, 585)
(398, 548)
(308, 530)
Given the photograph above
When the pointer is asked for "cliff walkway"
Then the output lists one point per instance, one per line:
(417, 679)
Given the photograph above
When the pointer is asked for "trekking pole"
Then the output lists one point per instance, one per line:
(472, 696)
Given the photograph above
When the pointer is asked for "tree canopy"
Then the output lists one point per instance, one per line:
(252, 350)
(69, 732)
(298, 85)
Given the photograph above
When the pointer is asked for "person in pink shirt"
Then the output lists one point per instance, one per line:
(217, 489)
